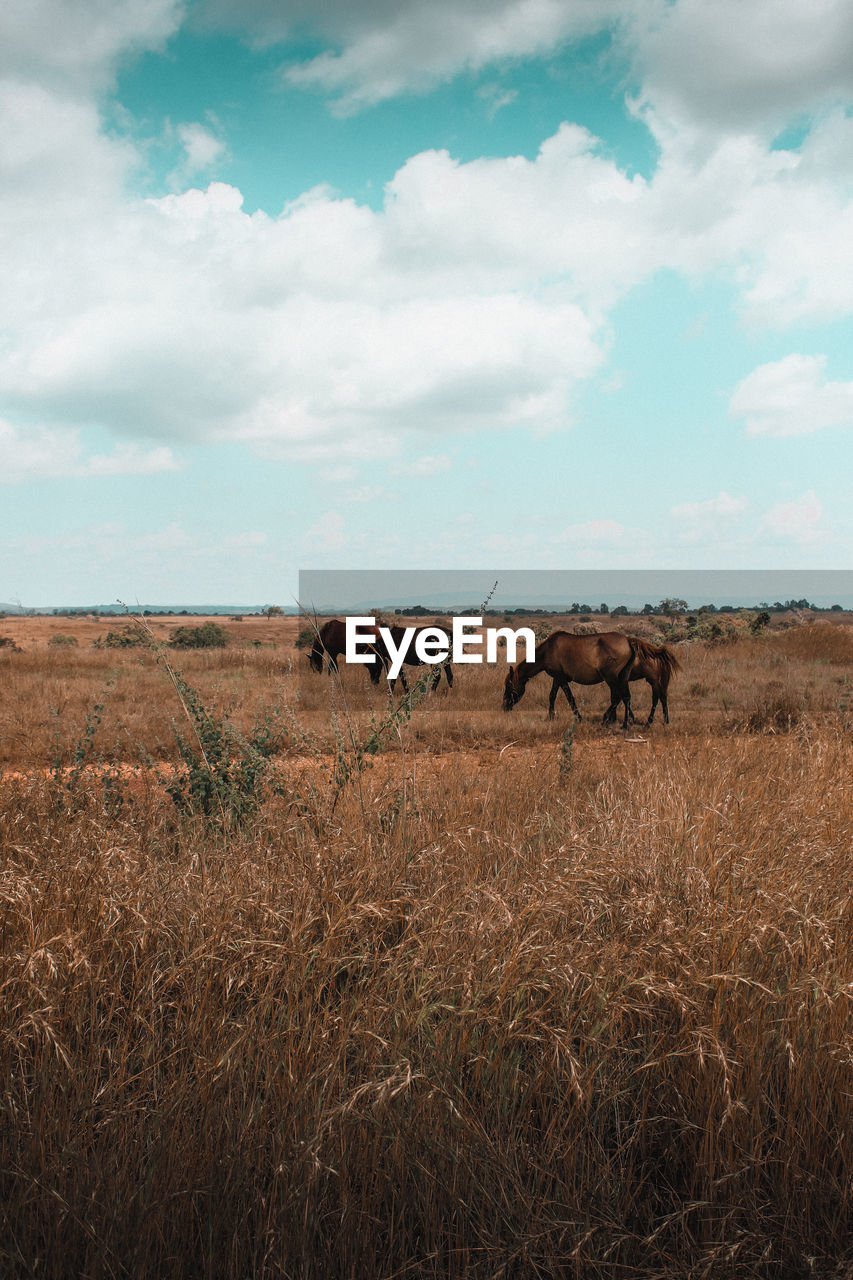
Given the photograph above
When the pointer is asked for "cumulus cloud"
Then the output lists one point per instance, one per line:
(741, 65)
(736, 65)
(75, 47)
(202, 149)
(478, 295)
(43, 453)
(186, 318)
(384, 48)
(792, 397)
(723, 507)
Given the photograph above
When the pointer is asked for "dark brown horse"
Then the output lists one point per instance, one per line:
(590, 659)
(411, 659)
(657, 664)
(331, 641)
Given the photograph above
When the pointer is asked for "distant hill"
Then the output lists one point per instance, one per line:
(111, 609)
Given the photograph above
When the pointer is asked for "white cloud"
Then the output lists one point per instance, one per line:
(44, 453)
(202, 149)
(388, 49)
(477, 296)
(723, 507)
(792, 397)
(797, 521)
(731, 65)
(76, 46)
(495, 97)
(742, 65)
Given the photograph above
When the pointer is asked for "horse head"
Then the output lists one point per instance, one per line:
(512, 690)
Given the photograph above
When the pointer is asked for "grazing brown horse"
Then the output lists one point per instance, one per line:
(331, 642)
(411, 659)
(589, 659)
(657, 664)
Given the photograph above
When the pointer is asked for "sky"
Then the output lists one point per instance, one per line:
(420, 284)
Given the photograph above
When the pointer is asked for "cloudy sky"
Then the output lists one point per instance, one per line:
(420, 284)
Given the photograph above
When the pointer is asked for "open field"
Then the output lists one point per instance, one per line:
(455, 993)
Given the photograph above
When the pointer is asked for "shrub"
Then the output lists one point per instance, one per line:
(59, 640)
(210, 635)
(773, 709)
(226, 773)
(306, 638)
(127, 638)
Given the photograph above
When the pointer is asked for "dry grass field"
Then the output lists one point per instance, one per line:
(379, 991)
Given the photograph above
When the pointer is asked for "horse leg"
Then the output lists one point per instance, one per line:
(609, 716)
(655, 700)
(448, 672)
(555, 686)
(436, 680)
(567, 690)
(664, 706)
(626, 698)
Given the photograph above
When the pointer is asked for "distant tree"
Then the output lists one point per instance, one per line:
(648, 608)
(759, 622)
(672, 606)
(620, 611)
(602, 608)
(273, 611)
(835, 608)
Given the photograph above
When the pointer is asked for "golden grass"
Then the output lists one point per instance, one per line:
(484, 1010)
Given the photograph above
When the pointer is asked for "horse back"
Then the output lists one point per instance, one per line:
(586, 659)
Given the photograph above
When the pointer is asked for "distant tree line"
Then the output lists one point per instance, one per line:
(671, 607)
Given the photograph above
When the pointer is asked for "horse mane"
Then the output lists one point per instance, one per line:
(659, 654)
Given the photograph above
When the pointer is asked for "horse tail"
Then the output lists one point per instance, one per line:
(659, 656)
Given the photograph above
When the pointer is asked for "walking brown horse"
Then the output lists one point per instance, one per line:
(411, 659)
(589, 659)
(331, 641)
(657, 664)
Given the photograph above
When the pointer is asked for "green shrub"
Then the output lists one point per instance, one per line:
(59, 640)
(127, 638)
(210, 635)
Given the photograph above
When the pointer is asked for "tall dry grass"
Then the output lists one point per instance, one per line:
(522, 1021)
